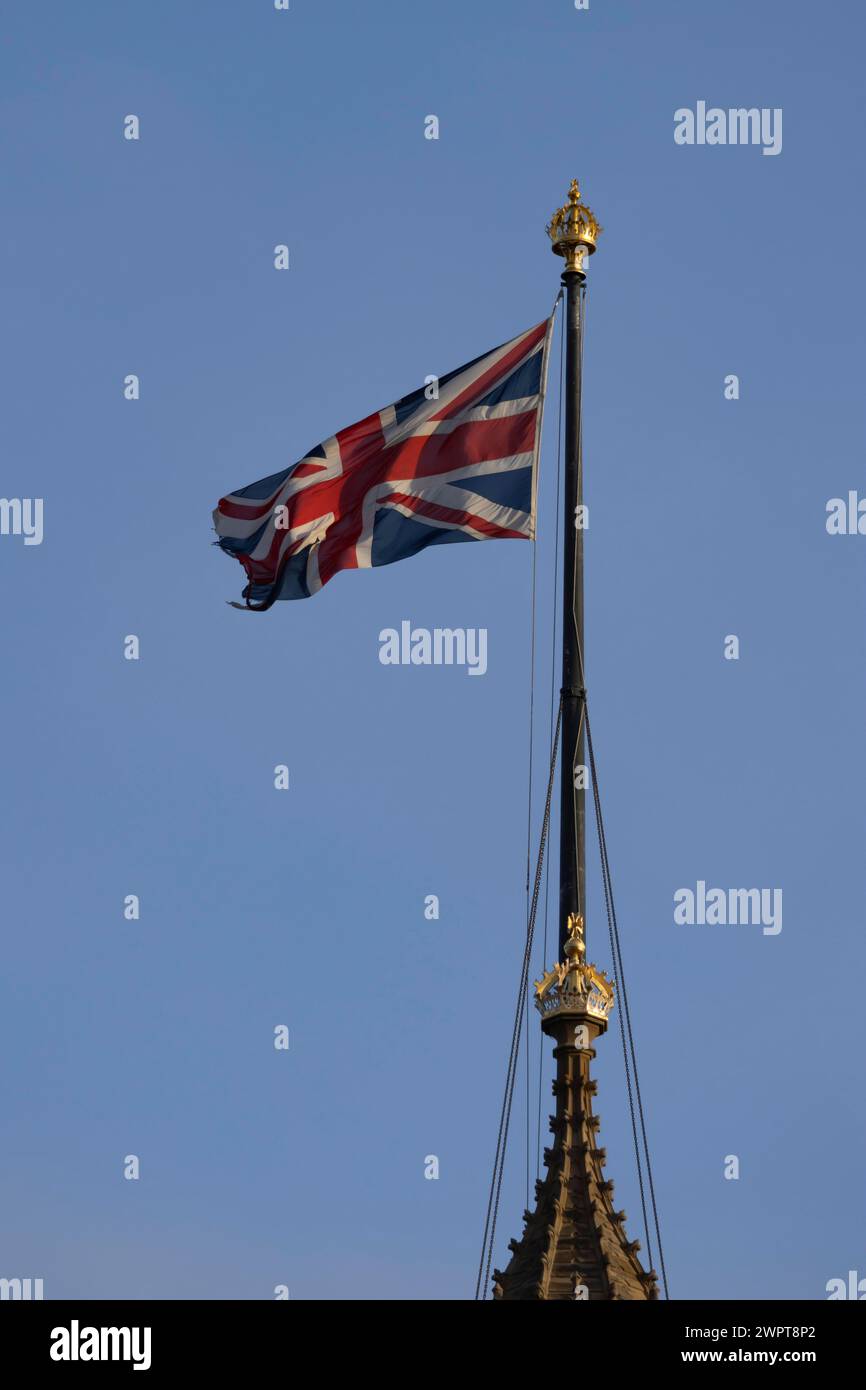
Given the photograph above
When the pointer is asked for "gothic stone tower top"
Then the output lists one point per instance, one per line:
(574, 1244)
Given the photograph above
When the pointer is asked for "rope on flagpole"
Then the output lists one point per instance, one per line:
(532, 649)
(553, 685)
(629, 1052)
(532, 904)
(511, 1073)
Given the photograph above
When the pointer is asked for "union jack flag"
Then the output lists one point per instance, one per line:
(453, 461)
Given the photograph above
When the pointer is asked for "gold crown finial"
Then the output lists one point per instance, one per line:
(574, 230)
(574, 987)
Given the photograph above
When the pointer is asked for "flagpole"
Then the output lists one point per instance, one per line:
(572, 823)
(573, 231)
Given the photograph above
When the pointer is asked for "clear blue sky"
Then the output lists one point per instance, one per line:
(408, 257)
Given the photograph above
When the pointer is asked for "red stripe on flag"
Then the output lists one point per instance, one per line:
(436, 512)
(478, 441)
(501, 369)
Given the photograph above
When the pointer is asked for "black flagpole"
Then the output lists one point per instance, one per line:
(573, 231)
(572, 826)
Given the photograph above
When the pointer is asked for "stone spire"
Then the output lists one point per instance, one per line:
(574, 1244)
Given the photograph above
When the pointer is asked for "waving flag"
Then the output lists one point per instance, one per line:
(453, 461)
